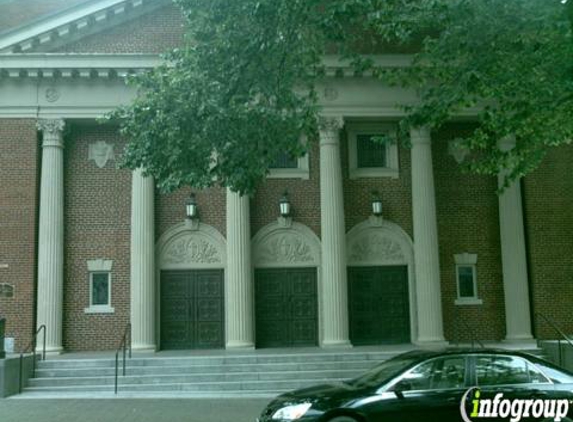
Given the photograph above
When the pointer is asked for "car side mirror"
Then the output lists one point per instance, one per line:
(400, 388)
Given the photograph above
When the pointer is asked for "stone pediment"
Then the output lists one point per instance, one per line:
(73, 23)
(375, 247)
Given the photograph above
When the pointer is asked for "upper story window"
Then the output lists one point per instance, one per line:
(286, 166)
(372, 150)
(466, 279)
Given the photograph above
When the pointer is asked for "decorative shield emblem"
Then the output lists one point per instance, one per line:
(100, 152)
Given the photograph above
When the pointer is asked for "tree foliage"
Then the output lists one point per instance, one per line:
(241, 89)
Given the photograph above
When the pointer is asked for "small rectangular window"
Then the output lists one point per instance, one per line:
(370, 152)
(284, 161)
(100, 289)
(466, 281)
(99, 292)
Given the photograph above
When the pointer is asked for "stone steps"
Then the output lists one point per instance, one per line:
(226, 375)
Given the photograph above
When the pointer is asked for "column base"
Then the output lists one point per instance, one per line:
(240, 345)
(520, 342)
(342, 344)
(51, 350)
(142, 348)
(431, 343)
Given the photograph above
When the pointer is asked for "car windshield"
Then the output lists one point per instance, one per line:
(383, 372)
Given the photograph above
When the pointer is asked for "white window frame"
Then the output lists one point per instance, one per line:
(467, 260)
(300, 172)
(391, 169)
(99, 266)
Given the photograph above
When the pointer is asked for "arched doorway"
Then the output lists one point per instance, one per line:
(381, 287)
(286, 257)
(190, 286)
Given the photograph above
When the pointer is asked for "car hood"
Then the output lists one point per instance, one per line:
(328, 395)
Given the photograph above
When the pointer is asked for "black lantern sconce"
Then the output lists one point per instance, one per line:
(284, 205)
(376, 204)
(191, 207)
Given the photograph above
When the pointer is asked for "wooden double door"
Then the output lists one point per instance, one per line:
(192, 311)
(378, 302)
(286, 307)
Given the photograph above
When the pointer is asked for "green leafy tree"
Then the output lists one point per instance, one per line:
(241, 89)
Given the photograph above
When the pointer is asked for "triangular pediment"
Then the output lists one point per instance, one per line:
(53, 31)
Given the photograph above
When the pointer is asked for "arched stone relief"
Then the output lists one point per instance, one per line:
(378, 242)
(187, 247)
(277, 245)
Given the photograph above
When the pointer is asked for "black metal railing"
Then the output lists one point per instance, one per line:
(124, 345)
(32, 345)
(562, 336)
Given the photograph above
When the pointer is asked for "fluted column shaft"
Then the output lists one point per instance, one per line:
(426, 256)
(142, 264)
(239, 281)
(51, 235)
(334, 277)
(513, 258)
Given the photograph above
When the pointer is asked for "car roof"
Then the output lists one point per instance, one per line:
(423, 354)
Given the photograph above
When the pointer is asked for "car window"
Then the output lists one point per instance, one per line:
(498, 370)
(437, 374)
(557, 375)
(383, 372)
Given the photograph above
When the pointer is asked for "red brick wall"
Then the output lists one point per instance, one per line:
(548, 202)
(468, 221)
(304, 196)
(170, 208)
(395, 193)
(97, 225)
(19, 172)
(156, 32)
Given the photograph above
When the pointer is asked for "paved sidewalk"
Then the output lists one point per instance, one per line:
(131, 410)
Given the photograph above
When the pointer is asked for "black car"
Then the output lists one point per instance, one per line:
(447, 385)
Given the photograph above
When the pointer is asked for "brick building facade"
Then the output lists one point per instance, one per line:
(93, 247)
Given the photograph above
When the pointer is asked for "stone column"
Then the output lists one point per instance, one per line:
(239, 280)
(333, 237)
(513, 257)
(51, 235)
(142, 266)
(426, 256)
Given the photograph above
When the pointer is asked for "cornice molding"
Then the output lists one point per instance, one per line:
(58, 65)
(72, 23)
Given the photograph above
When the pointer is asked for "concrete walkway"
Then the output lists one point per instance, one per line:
(131, 410)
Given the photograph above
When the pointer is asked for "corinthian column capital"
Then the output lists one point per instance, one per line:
(52, 130)
(329, 127)
(420, 135)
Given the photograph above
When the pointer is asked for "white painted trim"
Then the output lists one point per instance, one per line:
(61, 61)
(99, 309)
(385, 229)
(392, 163)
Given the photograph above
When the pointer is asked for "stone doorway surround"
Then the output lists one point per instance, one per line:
(189, 246)
(379, 242)
(289, 244)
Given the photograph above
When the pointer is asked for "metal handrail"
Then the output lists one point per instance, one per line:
(553, 325)
(123, 345)
(32, 345)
